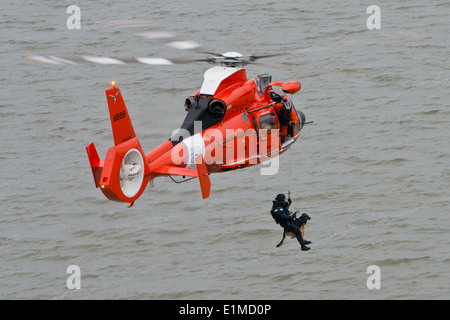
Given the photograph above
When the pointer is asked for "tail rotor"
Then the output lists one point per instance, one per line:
(124, 173)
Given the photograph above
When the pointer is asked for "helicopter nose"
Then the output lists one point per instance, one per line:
(302, 118)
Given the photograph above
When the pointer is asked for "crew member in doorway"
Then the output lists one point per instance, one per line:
(283, 110)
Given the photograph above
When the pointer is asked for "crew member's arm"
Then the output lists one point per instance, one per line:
(285, 216)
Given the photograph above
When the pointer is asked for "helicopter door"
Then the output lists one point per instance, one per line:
(255, 124)
(269, 139)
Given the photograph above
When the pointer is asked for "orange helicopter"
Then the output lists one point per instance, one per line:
(232, 122)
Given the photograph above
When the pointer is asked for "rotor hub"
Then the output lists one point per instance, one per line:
(232, 59)
(131, 173)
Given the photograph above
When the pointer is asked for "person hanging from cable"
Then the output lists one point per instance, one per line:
(288, 221)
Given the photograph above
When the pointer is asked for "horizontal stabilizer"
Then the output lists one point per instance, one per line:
(201, 172)
(95, 162)
(177, 171)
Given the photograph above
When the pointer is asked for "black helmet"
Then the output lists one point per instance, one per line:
(280, 197)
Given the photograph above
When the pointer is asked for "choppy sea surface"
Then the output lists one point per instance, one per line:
(372, 170)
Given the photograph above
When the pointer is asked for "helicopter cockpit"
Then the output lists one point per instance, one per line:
(291, 121)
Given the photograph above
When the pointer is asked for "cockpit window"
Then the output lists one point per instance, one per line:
(264, 80)
(268, 121)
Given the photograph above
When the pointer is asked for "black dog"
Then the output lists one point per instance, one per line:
(301, 224)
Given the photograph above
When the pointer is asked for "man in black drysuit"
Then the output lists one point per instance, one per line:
(280, 212)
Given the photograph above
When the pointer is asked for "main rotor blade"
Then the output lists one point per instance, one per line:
(114, 61)
(255, 57)
(151, 35)
(184, 45)
(276, 66)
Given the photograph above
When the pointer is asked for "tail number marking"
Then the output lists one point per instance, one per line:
(119, 116)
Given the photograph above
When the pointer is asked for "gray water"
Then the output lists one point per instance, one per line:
(372, 170)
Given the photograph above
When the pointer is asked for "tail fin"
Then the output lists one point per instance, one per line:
(120, 120)
(124, 173)
(203, 177)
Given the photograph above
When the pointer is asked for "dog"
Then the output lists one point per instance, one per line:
(300, 223)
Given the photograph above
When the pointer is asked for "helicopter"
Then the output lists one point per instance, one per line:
(232, 122)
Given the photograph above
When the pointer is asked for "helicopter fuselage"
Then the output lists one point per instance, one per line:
(245, 131)
(232, 122)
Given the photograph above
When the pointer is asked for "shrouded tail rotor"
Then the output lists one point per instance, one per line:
(131, 173)
(124, 173)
